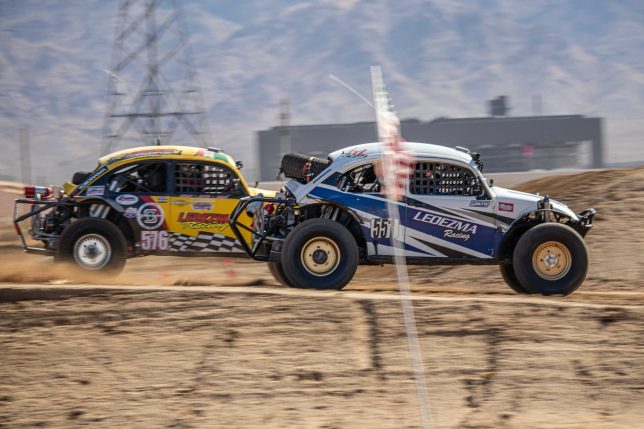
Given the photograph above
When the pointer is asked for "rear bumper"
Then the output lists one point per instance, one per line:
(36, 208)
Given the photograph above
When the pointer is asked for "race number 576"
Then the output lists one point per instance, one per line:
(154, 240)
(382, 227)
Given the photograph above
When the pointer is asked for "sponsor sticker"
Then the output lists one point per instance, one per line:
(191, 220)
(150, 216)
(202, 205)
(447, 223)
(144, 153)
(94, 191)
(127, 199)
(211, 155)
(92, 177)
(130, 212)
(506, 207)
(479, 203)
(355, 154)
(450, 233)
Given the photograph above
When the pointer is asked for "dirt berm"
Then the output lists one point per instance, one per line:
(226, 347)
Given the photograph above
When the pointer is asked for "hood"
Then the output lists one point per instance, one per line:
(523, 202)
(264, 192)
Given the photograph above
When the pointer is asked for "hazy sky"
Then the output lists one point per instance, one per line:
(440, 58)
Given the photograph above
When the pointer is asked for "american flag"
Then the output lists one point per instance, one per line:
(397, 163)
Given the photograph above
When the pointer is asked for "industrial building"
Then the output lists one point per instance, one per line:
(505, 143)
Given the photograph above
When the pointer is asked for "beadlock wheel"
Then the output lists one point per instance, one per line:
(92, 245)
(92, 252)
(551, 260)
(320, 256)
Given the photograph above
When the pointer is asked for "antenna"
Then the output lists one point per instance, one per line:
(152, 93)
(25, 155)
(362, 97)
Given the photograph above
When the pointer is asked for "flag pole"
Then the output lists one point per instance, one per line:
(395, 168)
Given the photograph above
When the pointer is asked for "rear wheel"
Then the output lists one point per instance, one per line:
(93, 245)
(319, 254)
(551, 259)
(277, 271)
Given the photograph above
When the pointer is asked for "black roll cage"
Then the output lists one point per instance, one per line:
(281, 210)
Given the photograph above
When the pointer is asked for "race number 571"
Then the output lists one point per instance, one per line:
(382, 227)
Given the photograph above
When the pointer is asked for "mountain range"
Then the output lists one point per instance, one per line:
(440, 58)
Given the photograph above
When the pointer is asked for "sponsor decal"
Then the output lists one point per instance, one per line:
(143, 153)
(506, 207)
(450, 233)
(92, 177)
(191, 220)
(94, 191)
(454, 225)
(127, 199)
(162, 199)
(355, 154)
(211, 155)
(150, 216)
(479, 203)
(130, 212)
(202, 205)
(154, 240)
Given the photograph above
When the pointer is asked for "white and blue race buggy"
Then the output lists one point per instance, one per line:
(332, 217)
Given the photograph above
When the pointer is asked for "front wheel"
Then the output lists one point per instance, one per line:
(93, 245)
(319, 254)
(510, 278)
(551, 259)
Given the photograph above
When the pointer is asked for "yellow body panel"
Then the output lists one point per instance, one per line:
(190, 223)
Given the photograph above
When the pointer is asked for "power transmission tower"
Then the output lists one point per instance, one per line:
(152, 94)
(285, 127)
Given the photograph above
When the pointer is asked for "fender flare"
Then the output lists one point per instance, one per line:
(520, 226)
(132, 227)
(360, 239)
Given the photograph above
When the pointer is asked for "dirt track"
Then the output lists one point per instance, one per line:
(257, 355)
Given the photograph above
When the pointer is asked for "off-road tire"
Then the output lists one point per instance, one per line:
(324, 242)
(510, 278)
(277, 271)
(559, 245)
(302, 167)
(100, 229)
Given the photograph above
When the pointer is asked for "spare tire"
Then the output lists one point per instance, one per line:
(302, 167)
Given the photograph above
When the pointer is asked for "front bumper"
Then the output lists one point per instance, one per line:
(585, 221)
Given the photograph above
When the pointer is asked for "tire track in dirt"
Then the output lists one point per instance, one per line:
(627, 299)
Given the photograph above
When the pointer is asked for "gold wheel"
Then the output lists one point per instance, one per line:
(551, 260)
(320, 256)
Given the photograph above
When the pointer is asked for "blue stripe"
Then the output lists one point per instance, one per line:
(485, 240)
